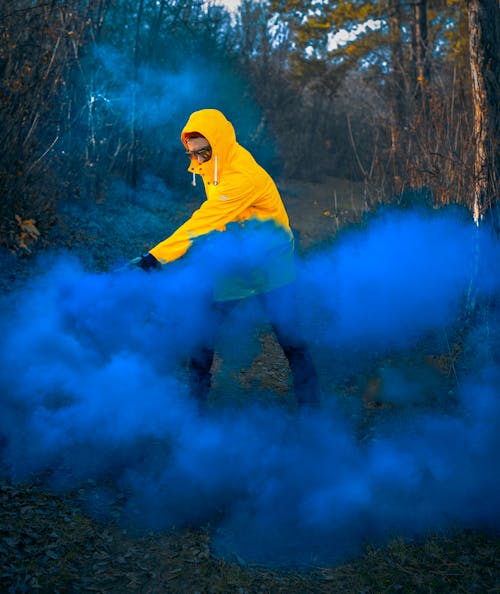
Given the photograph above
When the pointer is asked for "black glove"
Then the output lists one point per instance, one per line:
(147, 262)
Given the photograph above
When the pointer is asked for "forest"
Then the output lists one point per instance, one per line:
(380, 122)
(96, 91)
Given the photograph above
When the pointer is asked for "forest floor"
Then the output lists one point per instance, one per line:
(48, 544)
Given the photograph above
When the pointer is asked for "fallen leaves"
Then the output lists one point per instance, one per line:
(48, 545)
(28, 233)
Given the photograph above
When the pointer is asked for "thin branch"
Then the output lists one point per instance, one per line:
(27, 9)
(353, 144)
(43, 155)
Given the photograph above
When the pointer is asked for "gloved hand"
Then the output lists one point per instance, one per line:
(147, 262)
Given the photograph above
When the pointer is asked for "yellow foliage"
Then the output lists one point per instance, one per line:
(28, 233)
(314, 24)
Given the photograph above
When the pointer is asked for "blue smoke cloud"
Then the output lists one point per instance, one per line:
(162, 98)
(156, 99)
(153, 92)
(390, 283)
(94, 392)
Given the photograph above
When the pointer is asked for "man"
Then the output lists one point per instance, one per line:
(239, 191)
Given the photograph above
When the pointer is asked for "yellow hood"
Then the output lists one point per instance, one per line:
(213, 125)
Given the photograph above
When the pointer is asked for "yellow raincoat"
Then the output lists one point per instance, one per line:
(238, 189)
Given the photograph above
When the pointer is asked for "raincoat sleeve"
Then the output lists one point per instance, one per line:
(225, 204)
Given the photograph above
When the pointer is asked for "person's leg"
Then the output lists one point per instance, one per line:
(305, 378)
(200, 377)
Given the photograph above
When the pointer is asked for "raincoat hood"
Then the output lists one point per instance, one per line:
(213, 125)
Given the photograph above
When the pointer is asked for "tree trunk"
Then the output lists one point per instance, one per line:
(419, 53)
(134, 114)
(484, 46)
(396, 91)
(422, 59)
(155, 30)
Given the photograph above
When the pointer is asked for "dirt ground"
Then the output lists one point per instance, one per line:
(48, 544)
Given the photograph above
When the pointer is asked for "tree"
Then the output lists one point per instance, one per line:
(484, 43)
(419, 50)
(39, 46)
(397, 92)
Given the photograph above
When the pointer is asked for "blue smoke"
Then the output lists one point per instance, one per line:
(161, 99)
(94, 394)
(392, 282)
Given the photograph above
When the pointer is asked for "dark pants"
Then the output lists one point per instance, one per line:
(304, 375)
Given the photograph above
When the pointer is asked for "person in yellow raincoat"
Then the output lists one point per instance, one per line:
(237, 190)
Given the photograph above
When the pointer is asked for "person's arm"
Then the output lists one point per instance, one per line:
(225, 204)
